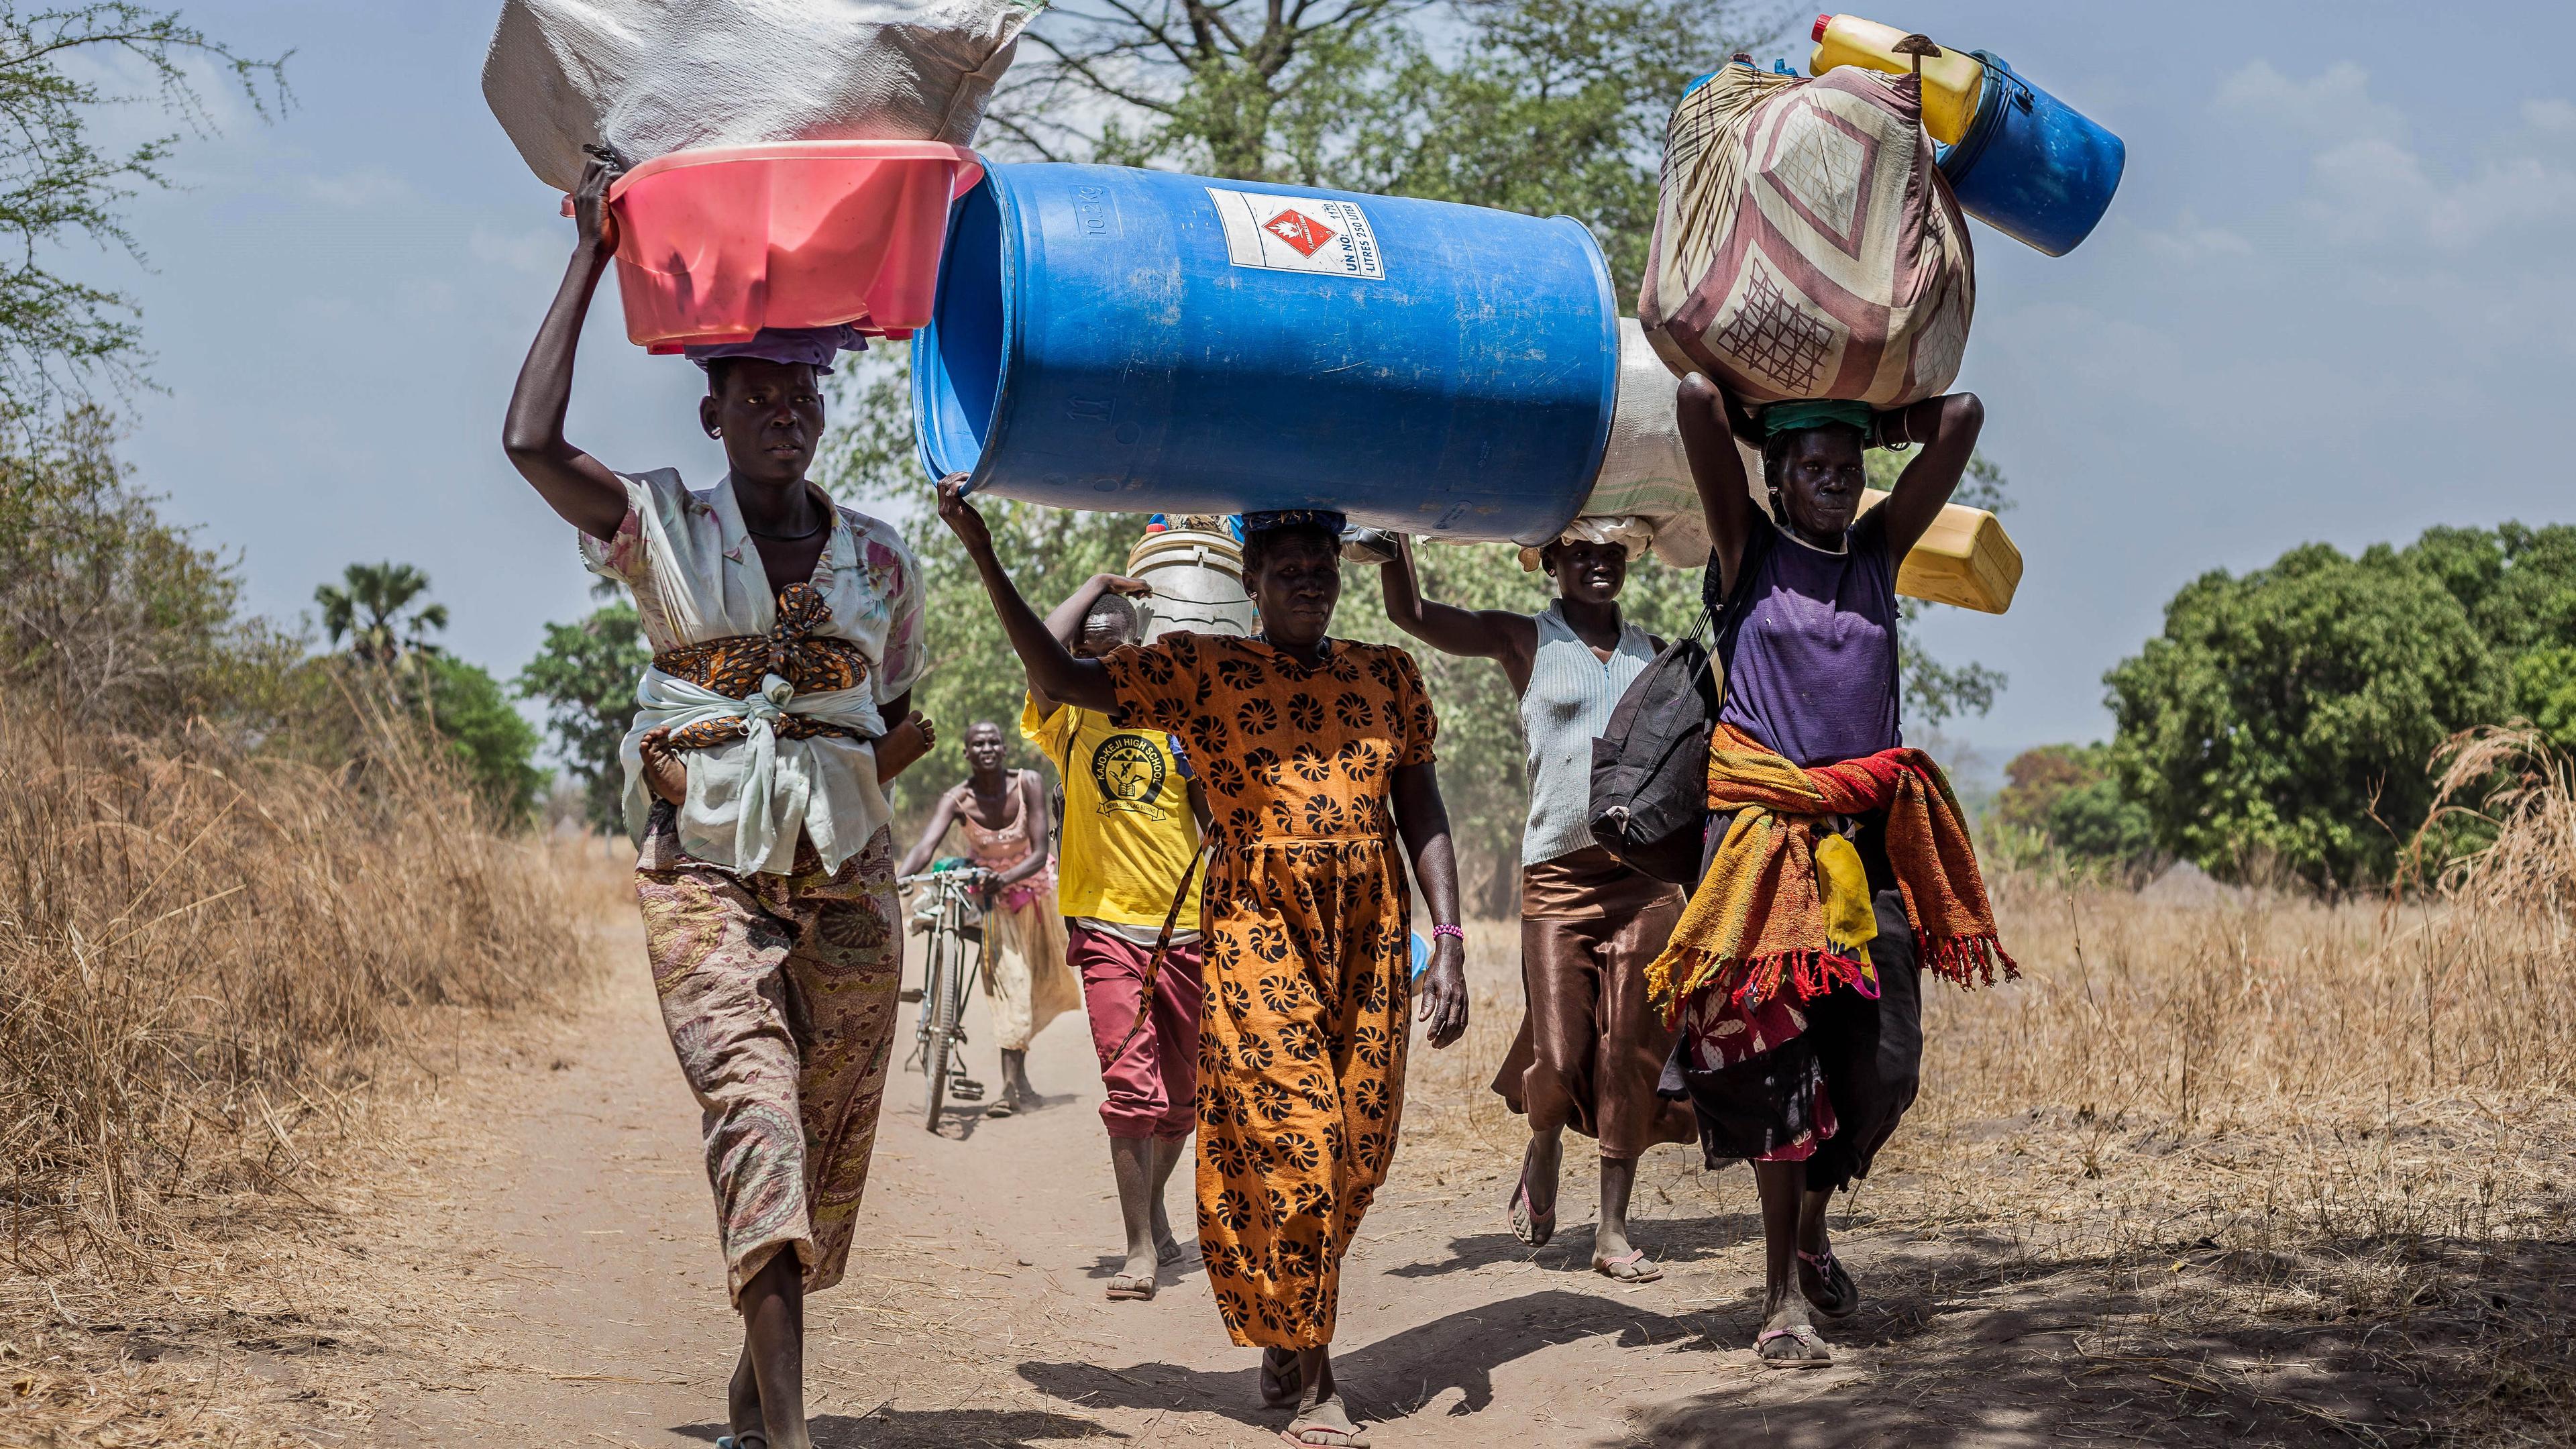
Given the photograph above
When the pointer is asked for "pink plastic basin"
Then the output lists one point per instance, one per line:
(716, 243)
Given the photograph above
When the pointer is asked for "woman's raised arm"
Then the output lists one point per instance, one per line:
(1053, 671)
(1947, 428)
(1475, 633)
(578, 487)
(1708, 420)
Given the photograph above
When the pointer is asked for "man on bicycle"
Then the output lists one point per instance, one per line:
(1132, 821)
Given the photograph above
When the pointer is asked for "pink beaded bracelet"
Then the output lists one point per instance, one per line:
(1446, 929)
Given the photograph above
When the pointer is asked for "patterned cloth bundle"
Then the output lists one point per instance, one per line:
(1805, 244)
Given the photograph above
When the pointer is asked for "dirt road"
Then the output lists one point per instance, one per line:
(584, 1301)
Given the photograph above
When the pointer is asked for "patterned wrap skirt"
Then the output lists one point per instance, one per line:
(1301, 1072)
(778, 992)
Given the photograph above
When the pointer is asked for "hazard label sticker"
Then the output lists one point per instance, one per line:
(1297, 234)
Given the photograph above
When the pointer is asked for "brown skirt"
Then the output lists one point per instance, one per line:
(1591, 1045)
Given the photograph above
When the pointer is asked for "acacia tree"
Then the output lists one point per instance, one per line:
(57, 185)
(1542, 106)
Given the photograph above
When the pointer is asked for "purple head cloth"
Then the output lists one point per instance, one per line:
(816, 347)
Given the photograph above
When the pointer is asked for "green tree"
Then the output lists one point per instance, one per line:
(586, 672)
(465, 705)
(58, 185)
(2284, 719)
(373, 608)
(2544, 692)
(2069, 797)
(104, 606)
(2517, 582)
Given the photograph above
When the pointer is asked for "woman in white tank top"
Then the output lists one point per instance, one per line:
(1591, 1045)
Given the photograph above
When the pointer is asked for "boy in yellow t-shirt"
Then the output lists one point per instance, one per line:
(1132, 822)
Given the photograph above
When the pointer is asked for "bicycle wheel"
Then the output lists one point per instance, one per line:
(940, 1002)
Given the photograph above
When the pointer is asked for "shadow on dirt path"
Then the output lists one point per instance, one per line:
(578, 1300)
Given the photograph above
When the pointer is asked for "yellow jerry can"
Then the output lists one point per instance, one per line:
(1953, 81)
(1964, 558)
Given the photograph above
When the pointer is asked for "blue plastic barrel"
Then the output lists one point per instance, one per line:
(1144, 341)
(2031, 166)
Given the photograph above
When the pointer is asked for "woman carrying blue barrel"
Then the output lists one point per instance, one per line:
(1590, 1045)
(1837, 866)
(786, 635)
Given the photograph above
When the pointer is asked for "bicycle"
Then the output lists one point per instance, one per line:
(953, 918)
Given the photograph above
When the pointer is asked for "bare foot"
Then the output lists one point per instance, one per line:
(1325, 1424)
(1789, 1339)
(1533, 1204)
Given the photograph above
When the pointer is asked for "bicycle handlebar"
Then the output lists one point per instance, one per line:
(971, 876)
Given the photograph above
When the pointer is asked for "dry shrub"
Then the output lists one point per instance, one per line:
(2526, 811)
(199, 951)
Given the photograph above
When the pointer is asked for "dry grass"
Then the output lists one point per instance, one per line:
(2245, 1166)
(204, 960)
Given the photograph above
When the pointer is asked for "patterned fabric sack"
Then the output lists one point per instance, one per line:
(1805, 244)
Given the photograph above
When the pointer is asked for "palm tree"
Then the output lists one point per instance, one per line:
(370, 611)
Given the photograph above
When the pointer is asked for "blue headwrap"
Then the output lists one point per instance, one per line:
(816, 347)
(1330, 520)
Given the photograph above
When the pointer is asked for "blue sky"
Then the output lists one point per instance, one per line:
(2333, 301)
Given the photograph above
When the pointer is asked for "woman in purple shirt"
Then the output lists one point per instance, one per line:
(1809, 1087)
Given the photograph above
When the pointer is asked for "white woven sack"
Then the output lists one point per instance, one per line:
(1644, 473)
(655, 76)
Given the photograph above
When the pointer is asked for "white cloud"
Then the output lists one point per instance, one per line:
(2334, 105)
(2370, 186)
(537, 253)
(363, 190)
(2550, 116)
(2191, 240)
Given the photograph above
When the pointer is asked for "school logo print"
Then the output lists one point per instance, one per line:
(1299, 230)
(1129, 773)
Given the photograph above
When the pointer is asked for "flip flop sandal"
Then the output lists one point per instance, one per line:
(1532, 1228)
(727, 1441)
(1350, 1438)
(1838, 1282)
(1002, 1108)
(1133, 1287)
(1817, 1355)
(1618, 1269)
(1281, 1388)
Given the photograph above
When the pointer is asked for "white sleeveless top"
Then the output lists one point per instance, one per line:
(1571, 693)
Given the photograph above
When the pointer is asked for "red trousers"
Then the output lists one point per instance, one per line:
(1153, 1082)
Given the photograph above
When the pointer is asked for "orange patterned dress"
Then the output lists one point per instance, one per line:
(1308, 950)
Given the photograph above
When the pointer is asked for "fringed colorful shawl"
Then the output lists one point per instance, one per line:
(1785, 904)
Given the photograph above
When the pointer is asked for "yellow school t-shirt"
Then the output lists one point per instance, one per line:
(1128, 831)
